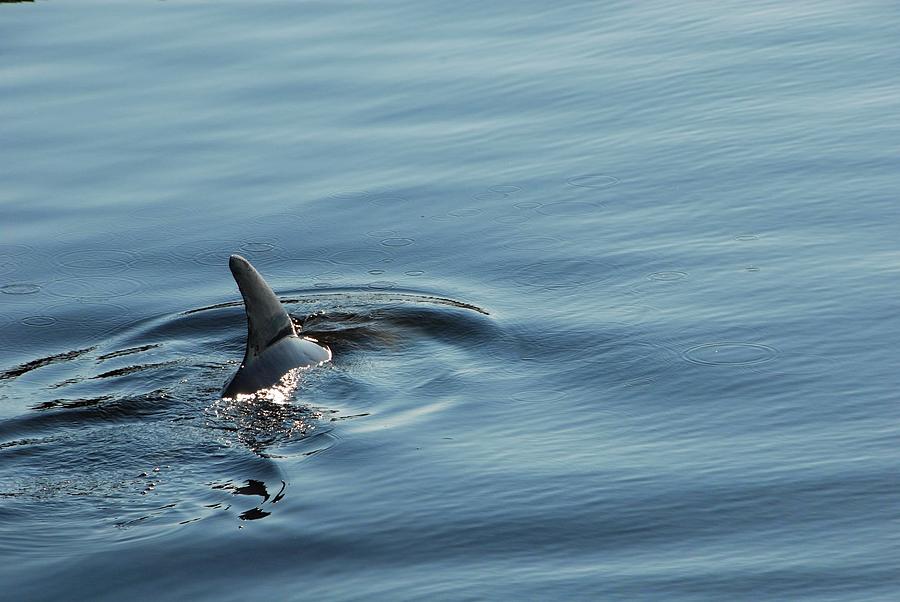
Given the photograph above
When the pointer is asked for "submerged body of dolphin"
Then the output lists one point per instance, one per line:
(273, 346)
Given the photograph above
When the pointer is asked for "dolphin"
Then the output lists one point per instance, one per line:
(273, 346)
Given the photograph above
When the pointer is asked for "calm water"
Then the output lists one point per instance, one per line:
(611, 290)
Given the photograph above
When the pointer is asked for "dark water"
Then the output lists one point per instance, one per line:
(611, 290)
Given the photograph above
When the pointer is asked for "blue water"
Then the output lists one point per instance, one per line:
(611, 290)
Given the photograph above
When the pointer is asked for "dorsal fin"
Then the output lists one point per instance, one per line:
(267, 322)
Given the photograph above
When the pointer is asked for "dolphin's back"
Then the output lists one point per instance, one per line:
(273, 347)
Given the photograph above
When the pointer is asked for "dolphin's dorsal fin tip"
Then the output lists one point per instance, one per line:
(267, 321)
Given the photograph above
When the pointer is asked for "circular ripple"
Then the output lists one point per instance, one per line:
(398, 242)
(569, 208)
(467, 212)
(382, 284)
(729, 354)
(414, 272)
(94, 287)
(384, 201)
(595, 180)
(667, 276)
(20, 288)
(97, 261)
(350, 195)
(360, 257)
(39, 321)
(505, 188)
(528, 205)
(382, 233)
(257, 246)
(376, 272)
(511, 219)
(746, 237)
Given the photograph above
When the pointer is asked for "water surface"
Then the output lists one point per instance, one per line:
(611, 291)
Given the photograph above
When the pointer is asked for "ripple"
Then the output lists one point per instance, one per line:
(297, 267)
(20, 288)
(376, 272)
(593, 181)
(278, 219)
(638, 382)
(360, 257)
(667, 276)
(382, 284)
(793, 363)
(384, 201)
(527, 205)
(257, 246)
(12, 255)
(546, 401)
(466, 212)
(94, 287)
(729, 354)
(86, 317)
(330, 275)
(570, 208)
(13, 250)
(382, 233)
(649, 354)
(746, 237)
(511, 219)
(96, 261)
(350, 195)
(203, 249)
(214, 258)
(216, 252)
(8, 265)
(534, 397)
(629, 314)
(564, 273)
(490, 195)
(505, 188)
(415, 272)
(398, 242)
(39, 321)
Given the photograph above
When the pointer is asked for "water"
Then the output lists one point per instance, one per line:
(611, 291)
